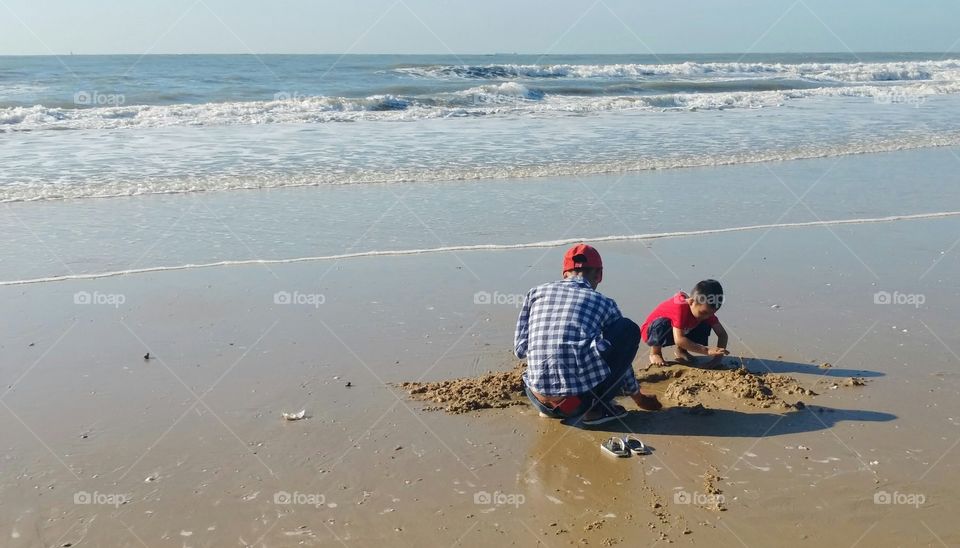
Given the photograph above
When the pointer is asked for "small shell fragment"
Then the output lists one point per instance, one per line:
(295, 416)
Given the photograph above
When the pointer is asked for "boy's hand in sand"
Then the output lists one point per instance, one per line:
(718, 353)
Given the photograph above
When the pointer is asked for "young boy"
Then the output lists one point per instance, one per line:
(686, 321)
(579, 348)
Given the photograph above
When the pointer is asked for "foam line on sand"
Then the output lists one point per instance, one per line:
(483, 247)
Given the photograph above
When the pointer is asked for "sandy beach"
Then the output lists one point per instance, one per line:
(263, 269)
(103, 447)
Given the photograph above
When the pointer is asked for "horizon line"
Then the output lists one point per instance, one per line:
(485, 54)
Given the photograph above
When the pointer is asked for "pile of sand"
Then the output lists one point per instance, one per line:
(488, 391)
(690, 386)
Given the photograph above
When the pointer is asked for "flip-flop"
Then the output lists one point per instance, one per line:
(635, 445)
(615, 446)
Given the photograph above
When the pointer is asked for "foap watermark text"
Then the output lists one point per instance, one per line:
(309, 299)
(906, 499)
(298, 498)
(486, 498)
(697, 498)
(915, 300)
(101, 499)
(510, 299)
(109, 299)
(97, 99)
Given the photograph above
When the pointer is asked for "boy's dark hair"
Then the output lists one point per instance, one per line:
(709, 292)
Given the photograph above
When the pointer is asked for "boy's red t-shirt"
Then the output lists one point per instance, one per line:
(678, 311)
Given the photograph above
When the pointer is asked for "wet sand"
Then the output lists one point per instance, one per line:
(189, 448)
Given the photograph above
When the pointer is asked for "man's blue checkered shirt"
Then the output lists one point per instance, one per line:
(559, 332)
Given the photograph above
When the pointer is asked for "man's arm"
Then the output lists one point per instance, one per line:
(612, 314)
(523, 330)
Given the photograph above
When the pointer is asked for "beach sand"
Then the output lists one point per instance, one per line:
(103, 447)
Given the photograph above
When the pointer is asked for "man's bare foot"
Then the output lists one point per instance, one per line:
(600, 414)
(656, 358)
(684, 357)
(647, 402)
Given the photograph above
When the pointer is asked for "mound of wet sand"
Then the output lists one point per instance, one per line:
(690, 386)
(491, 390)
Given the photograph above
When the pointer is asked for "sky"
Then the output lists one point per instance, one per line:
(38, 27)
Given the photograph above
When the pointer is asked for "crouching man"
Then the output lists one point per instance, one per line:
(578, 346)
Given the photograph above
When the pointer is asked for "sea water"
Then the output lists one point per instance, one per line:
(115, 163)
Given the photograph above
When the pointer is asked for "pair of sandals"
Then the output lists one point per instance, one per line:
(623, 447)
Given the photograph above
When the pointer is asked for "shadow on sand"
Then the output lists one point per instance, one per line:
(685, 421)
(757, 365)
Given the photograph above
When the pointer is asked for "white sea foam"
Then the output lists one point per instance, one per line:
(509, 98)
(834, 72)
(506, 91)
(484, 247)
(43, 190)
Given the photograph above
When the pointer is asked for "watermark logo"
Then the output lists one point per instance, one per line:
(298, 498)
(104, 499)
(508, 95)
(497, 99)
(309, 299)
(110, 299)
(289, 96)
(697, 498)
(908, 499)
(97, 99)
(485, 498)
(510, 299)
(715, 301)
(915, 300)
(899, 97)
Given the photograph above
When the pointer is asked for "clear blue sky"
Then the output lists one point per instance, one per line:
(475, 26)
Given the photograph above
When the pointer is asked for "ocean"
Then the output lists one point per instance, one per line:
(114, 163)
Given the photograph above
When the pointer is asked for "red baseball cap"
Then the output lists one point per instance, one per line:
(582, 256)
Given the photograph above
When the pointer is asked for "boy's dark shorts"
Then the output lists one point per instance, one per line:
(660, 333)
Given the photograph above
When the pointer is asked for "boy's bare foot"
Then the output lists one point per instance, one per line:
(684, 357)
(656, 358)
